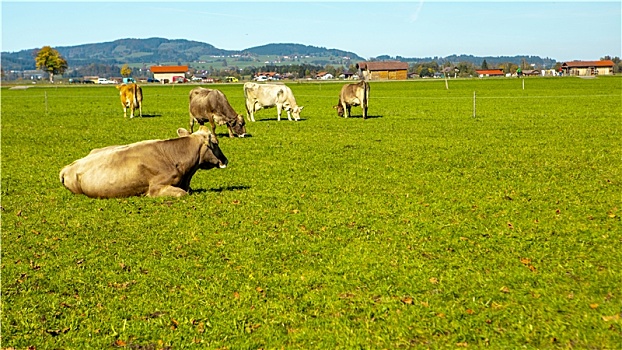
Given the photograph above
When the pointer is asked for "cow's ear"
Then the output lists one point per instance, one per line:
(181, 132)
(301, 108)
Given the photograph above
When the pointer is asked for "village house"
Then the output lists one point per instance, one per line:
(490, 73)
(324, 76)
(166, 74)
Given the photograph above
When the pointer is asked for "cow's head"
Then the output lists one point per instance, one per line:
(339, 109)
(296, 112)
(238, 125)
(211, 155)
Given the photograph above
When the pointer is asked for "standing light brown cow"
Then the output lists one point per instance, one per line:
(260, 96)
(132, 98)
(356, 94)
(212, 105)
(154, 168)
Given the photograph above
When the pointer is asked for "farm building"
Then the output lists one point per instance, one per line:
(387, 70)
(587, 68)
(324, 76)
(165, 74)
(532, 72)
(490, 73)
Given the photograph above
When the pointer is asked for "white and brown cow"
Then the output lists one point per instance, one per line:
(260, 96)
(153, 167)
(356, 94)
(212, 105)
(131, 97)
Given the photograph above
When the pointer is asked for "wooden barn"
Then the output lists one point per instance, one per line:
(385, 70)
(587, 68)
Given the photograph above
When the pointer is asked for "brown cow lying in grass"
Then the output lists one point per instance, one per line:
(153, 168)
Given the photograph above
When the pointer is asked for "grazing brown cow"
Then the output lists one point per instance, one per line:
(260, 96)
(212, 105)
(356, 94)
(132, 98)
(153, 168)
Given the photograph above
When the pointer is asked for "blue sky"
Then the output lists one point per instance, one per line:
(565, 30)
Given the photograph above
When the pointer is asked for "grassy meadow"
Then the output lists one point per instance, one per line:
(420, 227)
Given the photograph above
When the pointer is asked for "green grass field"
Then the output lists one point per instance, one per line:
(420, 227)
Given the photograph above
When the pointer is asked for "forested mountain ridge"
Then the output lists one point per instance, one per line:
(299, 49)
(157, 50)
(180, 51)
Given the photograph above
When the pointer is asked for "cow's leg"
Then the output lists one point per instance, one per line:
(131, 110)
(191, 123)
(348, 110)
(166, 191)
(364, 112)
(124, 112)
(250, 111)
(289, 115)
(213, 125)
(279, 109)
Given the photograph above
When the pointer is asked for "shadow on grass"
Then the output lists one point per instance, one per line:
(226, 135)
(150, 116)
(220, 189)
(276, 119)
(361, 117)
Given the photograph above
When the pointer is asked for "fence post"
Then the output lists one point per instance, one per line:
(474, 109)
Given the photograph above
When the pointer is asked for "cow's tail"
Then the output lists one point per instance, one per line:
(135, 95)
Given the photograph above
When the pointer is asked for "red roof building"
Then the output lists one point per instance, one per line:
(490, 73)
(168, 69)
(166, 74)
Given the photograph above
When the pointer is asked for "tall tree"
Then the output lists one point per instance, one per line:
(484, 65)
(49, 60)
(126, 71)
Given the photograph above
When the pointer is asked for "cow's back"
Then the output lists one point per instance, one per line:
(114, 171)
(199, 102)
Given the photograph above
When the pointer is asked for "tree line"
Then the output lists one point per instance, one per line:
(50, 61)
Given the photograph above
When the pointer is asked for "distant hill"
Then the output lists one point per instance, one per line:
(153, 50)
(477, 60)
(157, 50)
(181, 51)
(298, 49)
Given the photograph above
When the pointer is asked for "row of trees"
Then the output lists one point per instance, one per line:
(50, 61)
